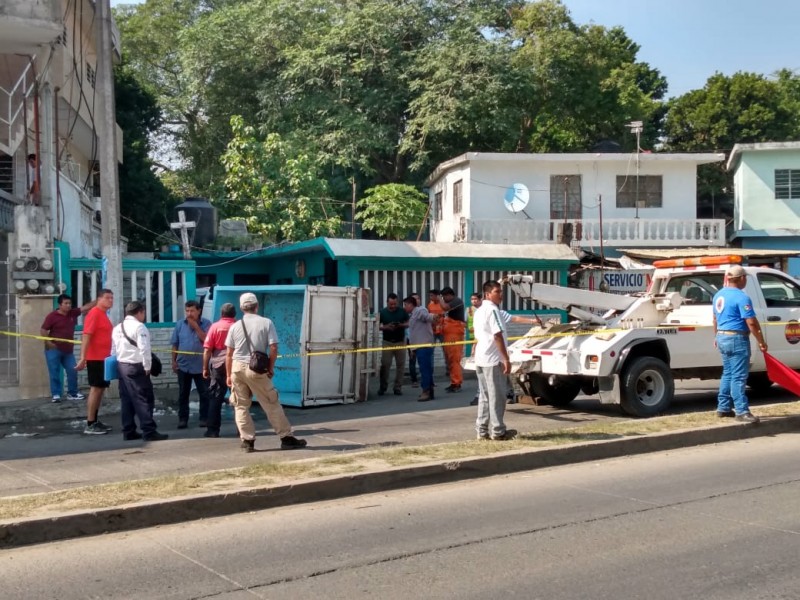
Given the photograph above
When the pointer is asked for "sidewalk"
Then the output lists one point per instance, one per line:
(59, 457)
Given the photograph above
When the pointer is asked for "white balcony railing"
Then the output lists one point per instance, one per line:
(587, 232)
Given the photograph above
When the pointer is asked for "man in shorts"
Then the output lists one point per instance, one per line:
(95, 348)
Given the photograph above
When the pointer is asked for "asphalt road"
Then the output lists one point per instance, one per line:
(713, 522)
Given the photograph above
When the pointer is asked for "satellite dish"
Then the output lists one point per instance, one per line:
(516, 198)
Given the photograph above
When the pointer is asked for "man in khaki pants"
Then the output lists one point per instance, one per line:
(255, 332)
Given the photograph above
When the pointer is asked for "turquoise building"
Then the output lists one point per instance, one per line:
(386, 266)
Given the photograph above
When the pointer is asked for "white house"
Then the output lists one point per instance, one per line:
(639, 199)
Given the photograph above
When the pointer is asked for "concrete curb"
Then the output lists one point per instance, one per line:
(177, 510)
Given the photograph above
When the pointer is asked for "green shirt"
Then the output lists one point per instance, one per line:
(399, 316)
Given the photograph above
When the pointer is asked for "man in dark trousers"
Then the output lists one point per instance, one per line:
(393, 324)
(187, 362)
(130, 343)
(214, 351)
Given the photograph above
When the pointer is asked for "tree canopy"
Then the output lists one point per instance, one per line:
(370, 92)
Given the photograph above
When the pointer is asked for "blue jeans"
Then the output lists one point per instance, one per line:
(56, 360)
(425, 363)
(735, 351)
(492, 385)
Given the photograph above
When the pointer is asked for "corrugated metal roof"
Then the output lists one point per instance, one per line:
(692, 252)
(341, 248)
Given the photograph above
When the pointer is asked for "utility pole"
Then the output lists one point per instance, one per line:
(107, 153)
(637, 127)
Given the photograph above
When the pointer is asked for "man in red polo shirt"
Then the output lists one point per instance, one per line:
(95, 348)
(214, 352)
(60, 324)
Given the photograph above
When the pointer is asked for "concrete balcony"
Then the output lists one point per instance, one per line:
(641, 233)
(25, 24)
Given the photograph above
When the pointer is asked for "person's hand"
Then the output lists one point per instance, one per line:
(205, 374)
(763, 346)
(270, 373)
(80, 365)
(506, 367)
(228, 381)
(174, 365)
(147, 372)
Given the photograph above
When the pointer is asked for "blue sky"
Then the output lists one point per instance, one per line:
(689, 40)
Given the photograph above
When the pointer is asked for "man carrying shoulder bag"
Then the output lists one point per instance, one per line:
(250, 372)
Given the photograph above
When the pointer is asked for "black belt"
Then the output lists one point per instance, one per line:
(733, 332)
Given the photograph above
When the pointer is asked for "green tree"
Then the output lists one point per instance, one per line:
(145, 202)
(741, 108)
(276, 188)
(392, 210)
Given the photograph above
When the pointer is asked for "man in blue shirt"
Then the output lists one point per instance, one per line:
(734, 321)
(188, 337)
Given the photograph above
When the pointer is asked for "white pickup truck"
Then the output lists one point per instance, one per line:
(632, 355)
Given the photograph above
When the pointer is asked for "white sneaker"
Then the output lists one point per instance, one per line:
(56, 399)
(77, 396)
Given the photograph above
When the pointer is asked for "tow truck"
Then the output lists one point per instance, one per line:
(642, 343)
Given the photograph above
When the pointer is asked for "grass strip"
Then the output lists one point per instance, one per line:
(264, 474)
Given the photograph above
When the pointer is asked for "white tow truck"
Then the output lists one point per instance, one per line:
(634, 352)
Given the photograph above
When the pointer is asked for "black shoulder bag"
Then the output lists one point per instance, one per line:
(155, 363)
(259, 361)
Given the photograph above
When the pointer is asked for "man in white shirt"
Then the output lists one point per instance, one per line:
(130, 343)
(492, 365)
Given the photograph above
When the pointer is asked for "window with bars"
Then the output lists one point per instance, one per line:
(437, 206)
(6, 173)
(647, 189)
(91, 76)
(787, 184)
(565, 197)
(457, 196)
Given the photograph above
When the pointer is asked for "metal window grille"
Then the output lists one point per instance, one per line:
(644, 189)
(787, 184)
(457, 196)
(565, 197)
(437, 206)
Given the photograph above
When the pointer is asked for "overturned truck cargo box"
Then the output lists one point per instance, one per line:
(322, 334)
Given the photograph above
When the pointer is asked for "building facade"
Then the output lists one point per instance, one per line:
(640, 199)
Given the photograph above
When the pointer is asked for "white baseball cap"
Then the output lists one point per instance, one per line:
(734, 272)
(247, 298)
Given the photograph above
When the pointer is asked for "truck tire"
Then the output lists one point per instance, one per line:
(647, 387)
(560, 394)
(759, 382)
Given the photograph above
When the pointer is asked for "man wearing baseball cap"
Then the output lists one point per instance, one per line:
(255, 333)
(734, 321)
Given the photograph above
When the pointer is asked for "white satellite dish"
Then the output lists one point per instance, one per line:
(516, 197)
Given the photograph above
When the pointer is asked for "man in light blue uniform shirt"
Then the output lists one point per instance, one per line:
(734, 321)
(188, 337)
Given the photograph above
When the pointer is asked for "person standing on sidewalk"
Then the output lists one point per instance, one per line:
(393, 323)
(187, 361)
(255, 333)
(214, 370)
(420, 331)
(61, 324)
(411, 354)
(453, 327)
(95, 348)
(130, 343)
(436, 310)
(734, 321)
(492, 365)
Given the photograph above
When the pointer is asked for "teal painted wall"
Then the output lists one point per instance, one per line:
(755, 203)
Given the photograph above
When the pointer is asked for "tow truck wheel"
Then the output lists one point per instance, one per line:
(559, 394)
(647, 387)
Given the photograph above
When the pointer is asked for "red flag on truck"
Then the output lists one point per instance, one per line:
(782, 375)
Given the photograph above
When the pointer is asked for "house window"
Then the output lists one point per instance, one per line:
(457, 187)
(437, 206)
(6, 173)
(94, 169)
(787, 184)
(565, 197)
(646, 188)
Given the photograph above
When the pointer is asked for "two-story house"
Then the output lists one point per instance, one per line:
(617, 199)
(766, 197)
